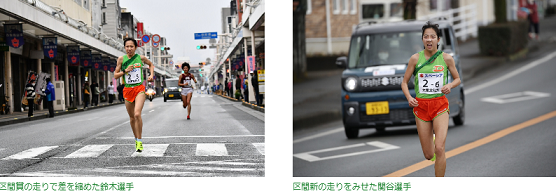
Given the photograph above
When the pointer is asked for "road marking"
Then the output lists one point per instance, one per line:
(311, 158)
(511, 74)
(152, 150)
(475, 144)
(33, 152)
(43, 174)
(89, 151)
(515, 97)
(211, 150)
(196, 136)
(318, 135)
(151, 111)
(260, 147)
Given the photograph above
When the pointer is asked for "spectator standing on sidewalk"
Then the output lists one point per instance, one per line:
(255, 83)
(30, 96)
(110, 93)
(50, 97)
(94, 88)
(86, 95)
(121, 92)
(226, 87)
(246, 89)
(533, 19)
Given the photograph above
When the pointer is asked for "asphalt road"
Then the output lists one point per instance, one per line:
(222, 138)
(518, 97)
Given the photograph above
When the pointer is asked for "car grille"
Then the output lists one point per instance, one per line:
(381, 83)
(394, 115)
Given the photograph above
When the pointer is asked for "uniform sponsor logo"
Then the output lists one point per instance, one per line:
(438, 68)
(137, 65)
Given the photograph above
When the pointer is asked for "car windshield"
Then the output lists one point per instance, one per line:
(171, 83)
(381, 49)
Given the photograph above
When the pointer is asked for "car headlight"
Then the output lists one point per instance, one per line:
(179, 89)
(165, 90)
(350, 84)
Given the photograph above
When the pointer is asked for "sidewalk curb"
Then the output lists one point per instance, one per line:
(316, 119)
(56, 113)
(254, 107)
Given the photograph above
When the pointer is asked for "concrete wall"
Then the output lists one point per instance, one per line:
(72, 9)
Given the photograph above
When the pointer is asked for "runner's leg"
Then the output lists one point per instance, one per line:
(189, 96)
(440, 125)
(425, 136)
(130, 107)
(139, 102)
(184, 100)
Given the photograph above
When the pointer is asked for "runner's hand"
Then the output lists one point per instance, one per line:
(129, 68)
(413, 103)
(150, 79)
(186, 84)
(446, 89)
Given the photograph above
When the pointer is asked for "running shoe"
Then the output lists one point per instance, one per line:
(188, 117)
(139, 146)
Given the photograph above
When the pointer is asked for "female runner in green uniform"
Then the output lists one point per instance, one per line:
(431, 108)
(134, 90)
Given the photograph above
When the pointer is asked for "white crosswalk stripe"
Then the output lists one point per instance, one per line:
(211, 150)
(31, 153)
(89, 151)
(150, 150)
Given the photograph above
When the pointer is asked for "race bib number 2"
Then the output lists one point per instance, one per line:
(431, 83)
(133, 77)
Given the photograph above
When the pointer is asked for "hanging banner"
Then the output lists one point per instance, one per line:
(105, 63)
(86, 58)
(73, 55)
(139, 34)
(113, 66)
(55, 73)
(14, 35)
(251, 63)
(97, 61)
(50, 47)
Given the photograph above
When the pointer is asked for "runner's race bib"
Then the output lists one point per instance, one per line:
(133, 77)
(430, 83)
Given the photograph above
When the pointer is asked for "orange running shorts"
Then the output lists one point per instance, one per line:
(130, 93)
(429, 109)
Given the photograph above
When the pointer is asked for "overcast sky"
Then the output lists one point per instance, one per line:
(178, 20)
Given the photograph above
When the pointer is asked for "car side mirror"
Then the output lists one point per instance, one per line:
(341, 62)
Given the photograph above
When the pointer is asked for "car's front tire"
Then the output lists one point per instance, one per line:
(351, 133)
(380, 129)
(164, 99)
(460, 118)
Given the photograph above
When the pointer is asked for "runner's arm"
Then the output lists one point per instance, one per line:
(407, 76)
(452, 67)
(118, 72)
(179, 82)
(151, 67)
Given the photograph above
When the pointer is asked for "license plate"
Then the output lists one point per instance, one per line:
(375, 108)
(170, 95)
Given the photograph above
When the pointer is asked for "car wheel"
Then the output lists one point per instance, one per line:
(380, 129)
(460, 118)
(351, 132)
(164, 99)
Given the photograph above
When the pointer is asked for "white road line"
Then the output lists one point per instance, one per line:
(307, 156)
(164, 173)
(511, 74)
(151, 111)
(42, 174)
(89, 151)
(319, 135)
(197, 136)
(33, 152)
(152, 150)
(260, 147)
(211, 150)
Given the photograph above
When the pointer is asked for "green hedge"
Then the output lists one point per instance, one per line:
(503, 39)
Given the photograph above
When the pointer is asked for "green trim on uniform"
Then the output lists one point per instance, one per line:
(429, 68)
(135, 60)
(448, 110)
